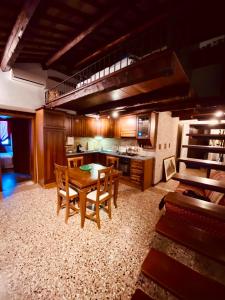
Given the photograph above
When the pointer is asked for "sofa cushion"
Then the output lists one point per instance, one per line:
(216, 197)
(183, 187)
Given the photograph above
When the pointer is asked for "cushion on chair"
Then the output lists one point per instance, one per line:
(72, 192)
(93, 195)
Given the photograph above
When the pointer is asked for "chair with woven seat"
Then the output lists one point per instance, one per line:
(112, 161)
(66, 196)
(75, 161)
(102, 195)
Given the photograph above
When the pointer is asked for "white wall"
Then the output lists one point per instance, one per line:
(22, 95)
(166, 142)
(19, 95)
(30, 71)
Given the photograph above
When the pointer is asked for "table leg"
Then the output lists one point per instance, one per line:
(82, 198)
(115, 192)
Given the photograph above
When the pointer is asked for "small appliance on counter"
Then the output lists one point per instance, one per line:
(79, 146)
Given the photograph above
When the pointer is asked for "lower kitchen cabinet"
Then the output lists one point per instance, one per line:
(141, 172)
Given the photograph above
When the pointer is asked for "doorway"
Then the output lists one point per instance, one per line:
(16, 152)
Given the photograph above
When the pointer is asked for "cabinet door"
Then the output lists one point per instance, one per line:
(54, 152)
(68, 125)
(54, 119)
(128, 126)
(78, 127)
(91, 127)
(106, 127)
(117, 128)
(101, 159)
(88, 158)
(143, 127)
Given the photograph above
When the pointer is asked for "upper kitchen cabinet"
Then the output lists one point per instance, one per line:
(143, 127)
(99, 127)
(128, 126)
(106, 127)
(91, 127)
(54, 119)
(78, 126)
(146, 127)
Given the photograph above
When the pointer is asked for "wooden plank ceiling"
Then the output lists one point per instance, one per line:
(68, 35)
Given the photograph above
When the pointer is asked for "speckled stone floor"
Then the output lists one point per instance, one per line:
(43, 258)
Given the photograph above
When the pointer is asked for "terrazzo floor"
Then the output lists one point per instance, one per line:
(43, 258)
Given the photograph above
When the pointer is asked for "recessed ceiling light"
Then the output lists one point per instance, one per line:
(219, 113)
(115, 114)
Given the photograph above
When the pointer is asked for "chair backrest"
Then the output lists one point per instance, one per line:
(75, 161)
(104, 184)
(62, 179)
(112, 161)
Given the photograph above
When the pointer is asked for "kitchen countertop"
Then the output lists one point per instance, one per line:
(111, 153)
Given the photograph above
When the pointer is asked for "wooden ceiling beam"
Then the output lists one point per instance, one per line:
(143, 99)
(122, 39)
(180, 107)
(71, 10)
(12, 47)
(76, 40)
(206, 112)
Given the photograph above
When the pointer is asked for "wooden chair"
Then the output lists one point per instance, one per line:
(75, 161)
(112, 161)
(66, 196)
(102, 194)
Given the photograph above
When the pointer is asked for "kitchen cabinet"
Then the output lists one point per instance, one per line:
(143, 127)
(99, 127)
(106, 128)
(128, 126)
(50, 135)
(53, 152)
(91, 127)
(101, 159)
(141, 172)
(68, 122)
(117, 128)
(146, 129)
(78, 126)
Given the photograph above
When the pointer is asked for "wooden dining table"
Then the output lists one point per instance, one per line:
(83, 181)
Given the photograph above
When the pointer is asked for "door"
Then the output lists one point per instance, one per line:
(21, 138)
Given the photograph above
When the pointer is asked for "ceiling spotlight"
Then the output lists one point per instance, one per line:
(115, 114)
(219, 113)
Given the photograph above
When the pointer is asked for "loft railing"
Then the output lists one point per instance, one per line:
(122, 57)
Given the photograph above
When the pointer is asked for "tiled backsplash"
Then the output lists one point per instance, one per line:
(103, 143)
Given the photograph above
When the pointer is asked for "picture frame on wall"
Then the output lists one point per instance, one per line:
(169, 167)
